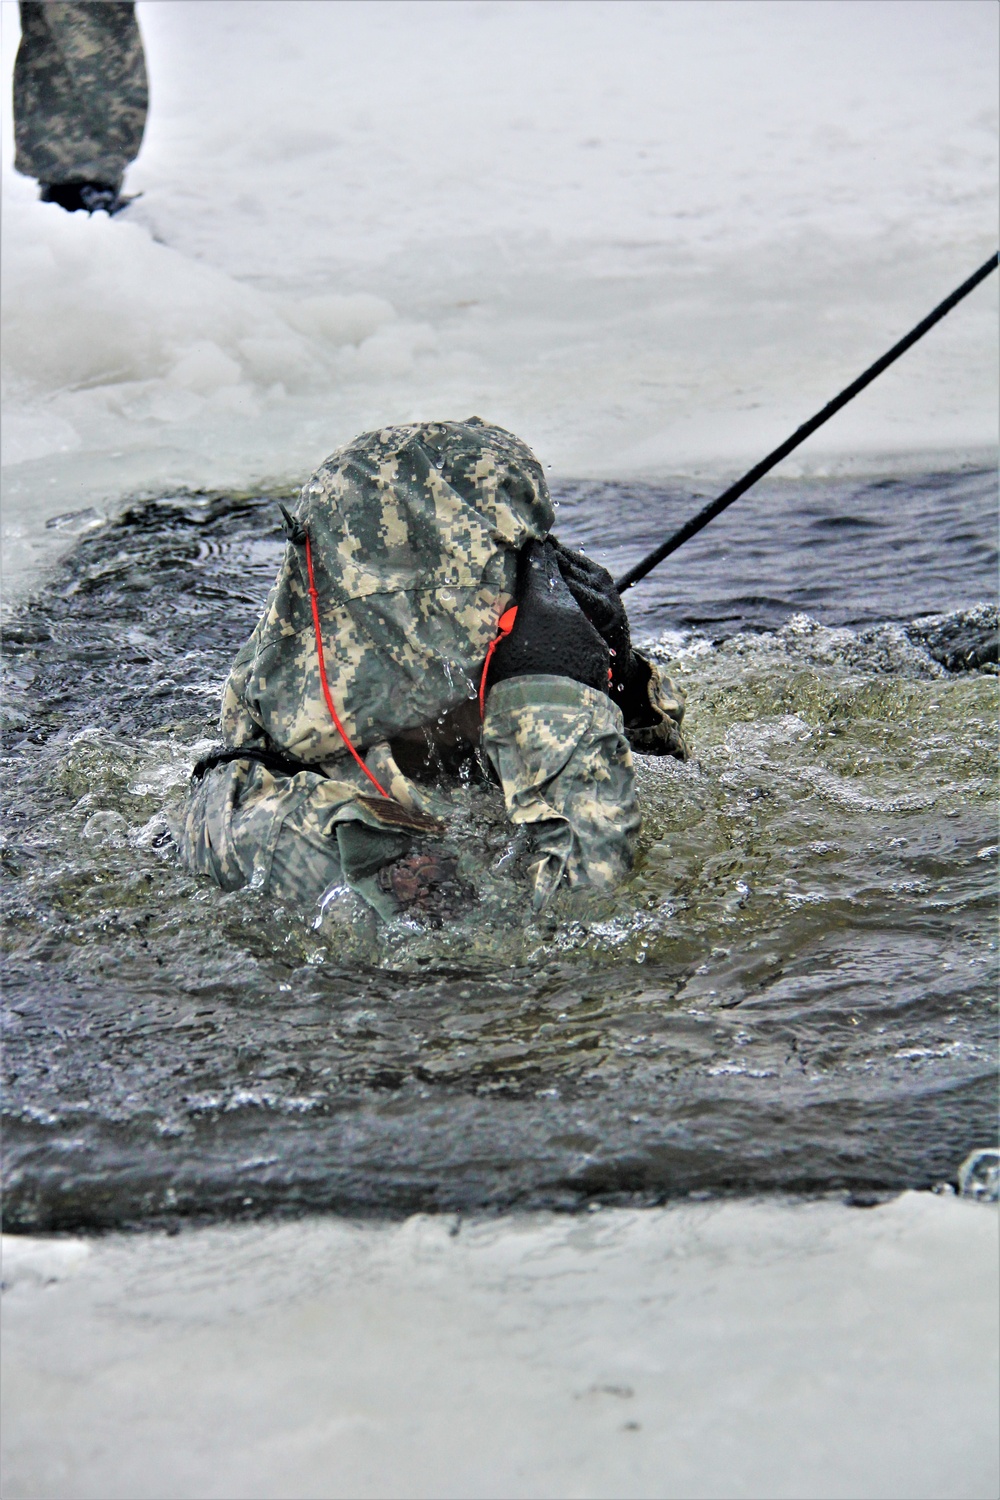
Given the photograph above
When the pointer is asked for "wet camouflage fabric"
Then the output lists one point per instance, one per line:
(560, 751)
(666, 700)
(296, 837)
(414, 534)
(80, 91)
(557, 746)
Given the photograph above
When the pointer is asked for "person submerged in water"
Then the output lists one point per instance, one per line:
(423, 613)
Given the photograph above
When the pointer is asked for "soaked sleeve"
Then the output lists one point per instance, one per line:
(657, 730)
(291, 836)
(560, 751)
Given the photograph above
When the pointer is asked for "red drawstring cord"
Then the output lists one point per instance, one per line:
(314, 601)
(505, 625)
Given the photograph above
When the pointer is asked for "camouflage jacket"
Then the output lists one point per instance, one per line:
(414, 533)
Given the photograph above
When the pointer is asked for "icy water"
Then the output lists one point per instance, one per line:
(794, 990)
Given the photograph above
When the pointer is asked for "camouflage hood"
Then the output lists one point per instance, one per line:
(414, 533)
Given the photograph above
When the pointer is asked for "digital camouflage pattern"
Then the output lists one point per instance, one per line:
(80, 91)
(666, 704)
(560, 751)
(557, 746)
(296, 836)
(414, 532)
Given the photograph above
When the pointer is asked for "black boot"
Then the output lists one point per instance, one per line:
(89, 196)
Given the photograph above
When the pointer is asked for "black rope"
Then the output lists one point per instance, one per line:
(716, 507)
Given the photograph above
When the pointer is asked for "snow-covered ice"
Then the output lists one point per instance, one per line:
(649, 237)
(710, 1349)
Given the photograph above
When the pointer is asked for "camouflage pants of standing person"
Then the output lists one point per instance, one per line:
(80, 92)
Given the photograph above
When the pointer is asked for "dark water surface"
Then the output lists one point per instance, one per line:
(794, 990)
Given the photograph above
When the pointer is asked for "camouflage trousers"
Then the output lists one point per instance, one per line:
(557, 747)
(80, 91)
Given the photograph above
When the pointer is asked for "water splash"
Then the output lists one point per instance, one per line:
(794, 988)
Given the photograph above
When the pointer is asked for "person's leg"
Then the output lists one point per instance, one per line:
(80, 99)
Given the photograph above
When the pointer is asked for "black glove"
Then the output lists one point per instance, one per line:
(551, 634)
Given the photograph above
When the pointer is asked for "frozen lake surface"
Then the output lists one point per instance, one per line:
(802, 1351)
(650, 239)
(794, 988)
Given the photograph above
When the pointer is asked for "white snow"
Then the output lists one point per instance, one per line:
(650, 237)
(713, 1349)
